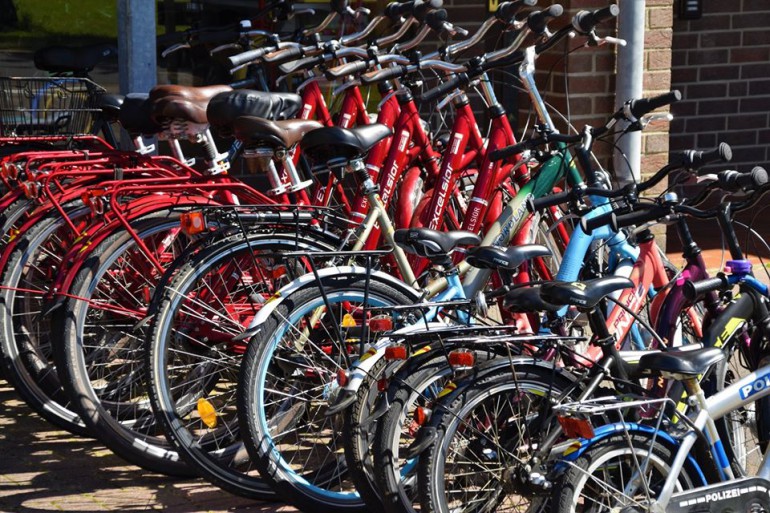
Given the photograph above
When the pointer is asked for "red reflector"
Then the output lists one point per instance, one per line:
(422, 415)
(342, 377)
(30, 189)
(395, 352)
(462, 359)
(380, 323)
(382, 384)
(576, 428)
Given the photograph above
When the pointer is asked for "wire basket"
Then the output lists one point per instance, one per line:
(47, 106)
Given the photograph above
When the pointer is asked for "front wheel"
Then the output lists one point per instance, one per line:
(288, 378)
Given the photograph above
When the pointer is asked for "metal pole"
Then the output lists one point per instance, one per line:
(630, 75)
(136, 46)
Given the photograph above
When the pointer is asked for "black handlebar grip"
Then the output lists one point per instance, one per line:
(350, 68)
(506, 152)
(538, 20)
(692, 159)
(423, 7)
(507, 10)
(692, 290)
(642, 106)
(445, 88)
(639, 217)
(589, 225)
(250, 56)
(287, 54)
(586, 21)
(383, 75)
(301, 64)
(551, 200)
(396, 10)
(734, 181)
(436, 19)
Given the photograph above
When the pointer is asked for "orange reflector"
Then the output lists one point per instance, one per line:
(380, 323)
(208, 413)
(422, 415)
(342, 377)
(462, 359)
(193, 222)
(576, 428)
(348, 321)
(395, 352)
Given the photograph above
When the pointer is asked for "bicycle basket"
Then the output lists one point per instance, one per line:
(47, 106)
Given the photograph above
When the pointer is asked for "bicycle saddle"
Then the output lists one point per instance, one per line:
(225, 108)
(329, 143)
(692, 362)
(527, 299)
(181, 102)
(110, 105)
(492, 257)
(78, 60)
(136, 115)
(433, 244)
(583, 294)
(283, 134)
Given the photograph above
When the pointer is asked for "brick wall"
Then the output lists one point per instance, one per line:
(721, 63)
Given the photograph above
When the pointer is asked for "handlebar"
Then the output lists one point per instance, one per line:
(734, 181)
(538, 20)
(692, 159)
(585, 21)
(692, 290)
(635, 109)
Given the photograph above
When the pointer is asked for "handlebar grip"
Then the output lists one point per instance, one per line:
(445, 88)
(733, 180)
(506, 152)
(350, 68)
(423, 7)
(692, 290)
(692, 159)
(586, 21)
(642, 106)
(436, 19)
(301, 64)
(395, 10)
(590, 224)
(538, 20)
(640, 216)
(382, 75)
(286, 54)
(507, 10)
(250, 56)
(549, 201)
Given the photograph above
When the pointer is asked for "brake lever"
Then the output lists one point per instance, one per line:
(655, 117)
(347, 85)
(451, 96)
(385, 99)
(227, 46)
(174, 48)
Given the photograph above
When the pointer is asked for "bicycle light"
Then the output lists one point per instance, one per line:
(193, 222)
(396, 352)
(380, 323)
(462, 359)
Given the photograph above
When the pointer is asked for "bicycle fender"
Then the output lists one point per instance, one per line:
(577, 448)
(309, 280)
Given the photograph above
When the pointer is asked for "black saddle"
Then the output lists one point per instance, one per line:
(330, 143)
(58, 59)
(224, 108)
(691, 363)
(492, 257)
(432, 244)
(136, 115)
(527, 299)
(110, 105)
(583, 294)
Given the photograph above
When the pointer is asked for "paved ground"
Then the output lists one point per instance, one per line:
(42, 470)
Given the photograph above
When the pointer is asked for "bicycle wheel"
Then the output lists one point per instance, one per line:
(98, 351)
(193, 362)
(289, 376)
(486, 435)
(620, 472)
(25, 337)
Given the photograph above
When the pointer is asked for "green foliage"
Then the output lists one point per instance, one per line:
(88, 18)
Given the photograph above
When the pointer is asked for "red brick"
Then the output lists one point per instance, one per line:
(720, 39)
(656, 143)
(657, 81)
(720, 73)
(684, 40)
(681, 75)
(707, 57)
(747, 121)
(750, 54)
(658, 38)
(707, 140)
(755, 70)
(708, 90)
(723, 106)
(684, 108)
(753, 5)
(756, 104)
(658, 59)
(706, 124)
(756, 37)
(738, 89)
(740, 137)
(752, 20)
(678, 57)
(759, 87)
